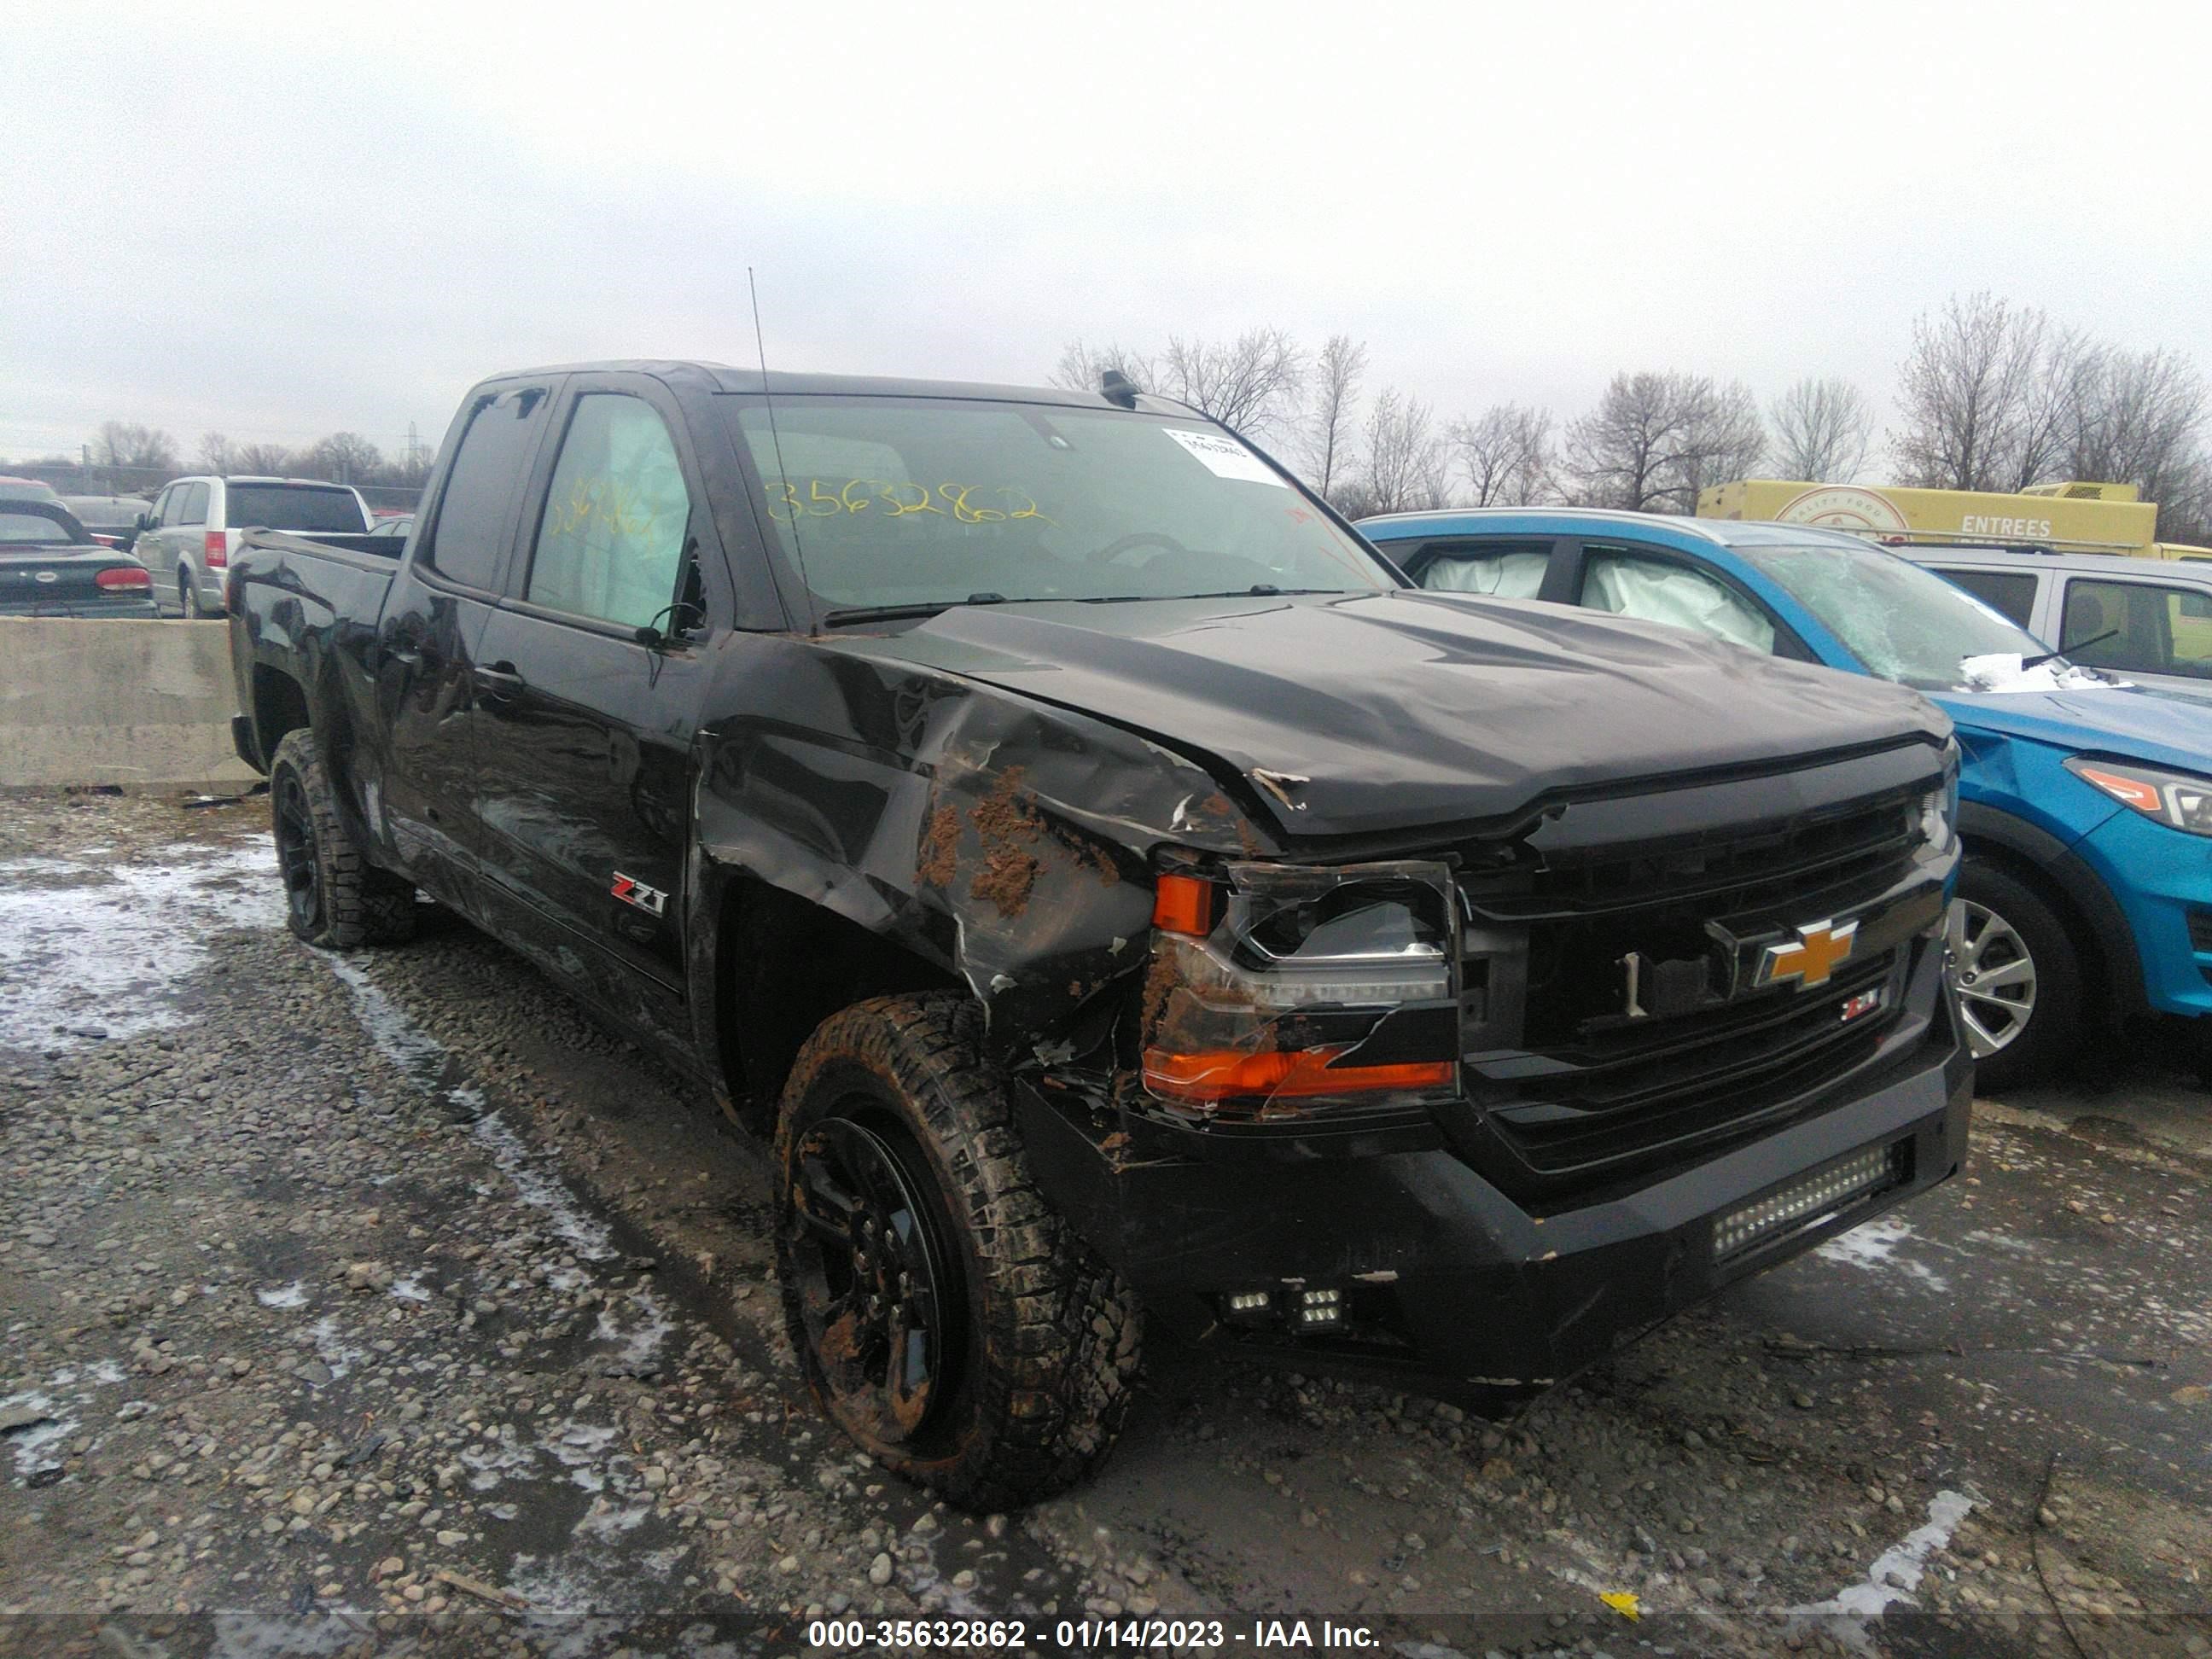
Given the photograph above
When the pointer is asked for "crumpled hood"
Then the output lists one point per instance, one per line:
(1402, 708)
(2121, 722)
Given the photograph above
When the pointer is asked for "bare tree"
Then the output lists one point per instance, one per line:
(1251, 382)
(1655, 441)
(1823, 430)
(1506, 454)
(2139, 418)
(218, 454)
(1726, 441)
(265, 461)
(1081, 366)
(345, 457)
(1329, 418)
(1404, 469)
(1980, 393)
(119, 444)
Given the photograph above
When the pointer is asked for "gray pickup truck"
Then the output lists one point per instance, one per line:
(1112, 887)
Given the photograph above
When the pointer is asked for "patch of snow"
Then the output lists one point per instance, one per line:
(1895, 1574)
(86, 945)
(409, 1289)
(293, 1294)
(641, 1342)
(30, 1444)
(2002, 671)
(425, 1062)
(62, 1397)
(1873, 1248)
(332, 1349)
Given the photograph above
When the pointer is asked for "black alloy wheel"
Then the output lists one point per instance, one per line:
(883, 1310)
(296, 855)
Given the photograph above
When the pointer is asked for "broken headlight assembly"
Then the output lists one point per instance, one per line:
(1938, 807)
(1284, 992)
(2175, 799)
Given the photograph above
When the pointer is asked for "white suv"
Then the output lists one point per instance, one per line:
(2145, 620)
(188, 538)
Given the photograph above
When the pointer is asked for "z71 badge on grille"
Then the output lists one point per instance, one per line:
(1812, 957)
(632, 891)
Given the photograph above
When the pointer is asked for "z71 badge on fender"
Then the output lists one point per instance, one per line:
(632, 891)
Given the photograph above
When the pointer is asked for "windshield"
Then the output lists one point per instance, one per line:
(1902, 623)
(293, 506)
(898, 501)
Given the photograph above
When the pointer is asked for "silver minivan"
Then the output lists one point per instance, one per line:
(195, 524)
(2145, 620)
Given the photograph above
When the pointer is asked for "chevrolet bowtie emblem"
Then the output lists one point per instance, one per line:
(1811, 957)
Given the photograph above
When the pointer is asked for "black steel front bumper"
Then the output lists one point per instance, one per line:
(1449, 1285)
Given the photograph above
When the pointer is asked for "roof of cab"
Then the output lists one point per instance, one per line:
(782, 383)
(1721, 533)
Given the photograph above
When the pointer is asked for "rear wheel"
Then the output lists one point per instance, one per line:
(2018, 975)
(334, 897)
(943, 1315)
(188, 596)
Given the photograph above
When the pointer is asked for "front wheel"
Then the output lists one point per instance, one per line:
(2018, 975)
(334, 897)
(944, 1316)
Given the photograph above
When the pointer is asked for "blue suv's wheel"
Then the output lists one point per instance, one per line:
(2018, 975)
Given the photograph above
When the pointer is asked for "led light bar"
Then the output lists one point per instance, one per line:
(1249, 1302)
(1802, 1203)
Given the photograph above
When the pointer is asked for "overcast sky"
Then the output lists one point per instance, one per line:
(224, 217)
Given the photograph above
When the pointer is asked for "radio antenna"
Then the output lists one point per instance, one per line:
(798, 552)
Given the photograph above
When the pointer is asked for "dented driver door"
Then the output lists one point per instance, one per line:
(589, 676)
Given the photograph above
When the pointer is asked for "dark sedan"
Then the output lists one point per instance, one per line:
(50, 566)
(110, 518)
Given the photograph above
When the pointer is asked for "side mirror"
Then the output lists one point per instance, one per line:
(142, 523)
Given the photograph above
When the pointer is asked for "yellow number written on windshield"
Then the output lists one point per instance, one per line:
(827, 498)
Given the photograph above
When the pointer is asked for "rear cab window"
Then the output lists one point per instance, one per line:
(469, 533)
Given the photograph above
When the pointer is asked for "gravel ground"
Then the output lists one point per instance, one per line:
(386, 1300)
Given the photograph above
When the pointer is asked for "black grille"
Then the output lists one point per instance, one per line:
(1589, 1090)
(1681, 1083)
(1723, 873)
(2200, 931)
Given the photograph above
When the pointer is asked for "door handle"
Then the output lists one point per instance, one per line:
(499, 679)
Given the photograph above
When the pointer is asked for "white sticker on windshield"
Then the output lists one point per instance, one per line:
(1225, 458)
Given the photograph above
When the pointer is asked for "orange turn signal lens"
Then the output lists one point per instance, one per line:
(1229, 1075)
(1183, 905)
(2133, 792)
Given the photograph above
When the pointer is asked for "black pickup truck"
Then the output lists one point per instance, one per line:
(1112, 886)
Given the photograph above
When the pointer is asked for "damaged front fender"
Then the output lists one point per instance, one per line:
(1002, 842)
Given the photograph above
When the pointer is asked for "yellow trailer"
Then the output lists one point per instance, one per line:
(2066, 517)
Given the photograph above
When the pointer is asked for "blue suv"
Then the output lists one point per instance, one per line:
(2086, 810)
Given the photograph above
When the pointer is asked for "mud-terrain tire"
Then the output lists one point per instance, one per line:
(334, 897)
(905, 1205)
(2006, 921)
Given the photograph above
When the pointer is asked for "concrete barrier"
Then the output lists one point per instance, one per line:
(145, 705)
